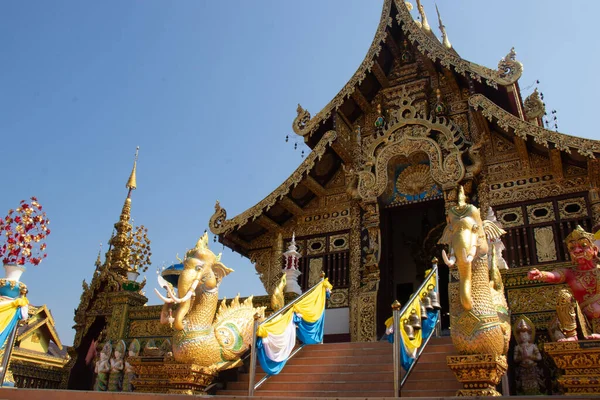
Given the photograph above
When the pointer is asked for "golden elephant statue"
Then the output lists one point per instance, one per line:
(479, 318)
(201, 337)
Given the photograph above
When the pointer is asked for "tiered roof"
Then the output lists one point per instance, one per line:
(495, 92)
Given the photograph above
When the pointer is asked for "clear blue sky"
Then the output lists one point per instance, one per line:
(208, 90)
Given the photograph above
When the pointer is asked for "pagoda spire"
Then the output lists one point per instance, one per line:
(131, 182)
(120, 242)
(445, 40)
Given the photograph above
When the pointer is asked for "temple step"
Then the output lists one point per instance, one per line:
(54, 394)
(354, 370)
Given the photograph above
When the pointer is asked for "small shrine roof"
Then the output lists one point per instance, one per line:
(39, 318)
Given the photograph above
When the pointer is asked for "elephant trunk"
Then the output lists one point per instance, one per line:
(463, 244)
(180, 313)
(186, 287)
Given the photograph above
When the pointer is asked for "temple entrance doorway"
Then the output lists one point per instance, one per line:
(82, 373)
(409, 241)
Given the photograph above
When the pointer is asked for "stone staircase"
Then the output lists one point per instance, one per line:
(431, 377)
(354, 370)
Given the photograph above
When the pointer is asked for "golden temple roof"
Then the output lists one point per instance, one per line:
(329, 133)
(396, 13)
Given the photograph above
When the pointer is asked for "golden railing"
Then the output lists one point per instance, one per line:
(403, 314)
(251, 385)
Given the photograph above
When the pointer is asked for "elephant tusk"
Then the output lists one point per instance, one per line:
(171, 294)
(187, 296)
(449, 261)
(163, 298)
(475, 241)
(467, 257)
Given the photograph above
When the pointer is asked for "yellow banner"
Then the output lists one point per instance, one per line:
(310, 307)
(277, 325)
(8, 309)
(313, 305)
(414, 305)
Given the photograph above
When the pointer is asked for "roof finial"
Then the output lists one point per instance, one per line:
(98, 263)
(131, 182)
(424, 22)
(445, 40)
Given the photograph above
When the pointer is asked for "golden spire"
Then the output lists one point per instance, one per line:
(445, 40)
(120, 242)
(424, 22)
(98, 262)
(131, 182)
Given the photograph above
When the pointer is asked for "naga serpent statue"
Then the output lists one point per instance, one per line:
(479, 318)
(200, 336)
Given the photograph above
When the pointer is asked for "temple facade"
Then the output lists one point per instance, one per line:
(368, 203)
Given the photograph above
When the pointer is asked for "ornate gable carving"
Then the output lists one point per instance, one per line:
(408, 132)
(538, 160)
(501, 145)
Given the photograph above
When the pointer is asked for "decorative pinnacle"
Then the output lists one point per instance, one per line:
(424, 22)
(120, 243)
(98, 263)
(445, 40)
(396, 305)
(131, 182)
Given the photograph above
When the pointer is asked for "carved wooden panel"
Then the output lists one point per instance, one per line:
(536, 229)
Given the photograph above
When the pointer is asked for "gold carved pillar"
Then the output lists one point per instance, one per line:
(366, 302)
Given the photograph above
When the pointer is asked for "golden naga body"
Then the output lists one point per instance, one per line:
(278, 296)
(201, 337)
(479, 318)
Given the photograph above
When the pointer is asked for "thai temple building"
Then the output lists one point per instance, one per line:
(417, 142)
(368, 205)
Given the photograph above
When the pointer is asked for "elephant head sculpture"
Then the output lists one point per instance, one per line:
(202, 272)
(204, 335)
(479, 320)
(466, 237)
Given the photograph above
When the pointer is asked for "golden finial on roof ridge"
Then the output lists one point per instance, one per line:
(131, 182)
(98, 262)
(424, 22)
(445, 40)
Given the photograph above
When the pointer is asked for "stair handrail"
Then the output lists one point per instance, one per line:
(251, 386)
(398, 313)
